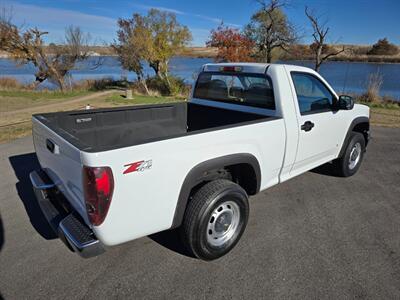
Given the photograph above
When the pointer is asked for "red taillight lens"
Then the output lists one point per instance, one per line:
(98, 186)
(231, 69)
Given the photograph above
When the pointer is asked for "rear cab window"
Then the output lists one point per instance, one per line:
(237, 88)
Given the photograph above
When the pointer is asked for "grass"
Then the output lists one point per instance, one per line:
(42, 95)
(382, 114)
(118, 99)
(17, 99)
(22, 120)
(10, 133)
(386, 115)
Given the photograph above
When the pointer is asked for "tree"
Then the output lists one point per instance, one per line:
(320, 31)
(54, 62)
(270, 29)
(383, 47)
(168, 38)
(154, 38)
(232, 45)
(134, 41)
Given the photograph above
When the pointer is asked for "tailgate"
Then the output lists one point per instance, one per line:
(62, 163)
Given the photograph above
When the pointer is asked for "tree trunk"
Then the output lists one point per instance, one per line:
(165, 71)
(144, 84)
(156, 67)
(317, 67)
(318, 55)
(61, 84)
(167, 81)
(269, 56)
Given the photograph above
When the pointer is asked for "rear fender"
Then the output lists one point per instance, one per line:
(202, 171)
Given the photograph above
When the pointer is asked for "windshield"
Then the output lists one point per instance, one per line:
(246, 89)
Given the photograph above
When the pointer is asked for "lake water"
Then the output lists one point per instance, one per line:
(345, 77)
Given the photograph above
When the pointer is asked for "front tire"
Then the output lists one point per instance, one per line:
(350, 162)
(215, 219)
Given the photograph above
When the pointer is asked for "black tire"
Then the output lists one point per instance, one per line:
(199, 215)
(342, 165)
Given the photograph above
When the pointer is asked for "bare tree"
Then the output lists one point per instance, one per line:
(320, 32)
(5, 25)
(270, 29)
(53, 62)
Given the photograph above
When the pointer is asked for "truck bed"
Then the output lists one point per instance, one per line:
(106, 129)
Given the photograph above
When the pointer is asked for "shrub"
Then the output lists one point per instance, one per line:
(325, 48)
(8, 83)
(97, 84)
(177, 87)
(297, 51)
(374, 84)
(360, 50)
(383, 47)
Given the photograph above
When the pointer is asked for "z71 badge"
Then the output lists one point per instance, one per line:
(138, 166)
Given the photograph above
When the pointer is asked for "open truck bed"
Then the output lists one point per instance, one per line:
(112, 128)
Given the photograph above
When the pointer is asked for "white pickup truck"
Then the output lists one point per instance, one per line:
(110, 176)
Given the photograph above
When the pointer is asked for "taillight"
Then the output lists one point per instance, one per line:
(98, 186)
(230, 69)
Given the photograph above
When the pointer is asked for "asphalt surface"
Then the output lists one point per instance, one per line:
(315, 236)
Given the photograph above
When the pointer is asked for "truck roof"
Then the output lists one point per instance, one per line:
(247, 67)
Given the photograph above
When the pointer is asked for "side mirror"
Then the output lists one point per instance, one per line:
(345, 102)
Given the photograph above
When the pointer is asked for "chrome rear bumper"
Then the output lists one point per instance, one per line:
(76, 235)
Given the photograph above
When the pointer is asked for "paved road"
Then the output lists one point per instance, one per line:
(315, 236)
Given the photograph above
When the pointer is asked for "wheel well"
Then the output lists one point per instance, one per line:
(242, 174)
(245, 176)
(362, 128)
(240, 168)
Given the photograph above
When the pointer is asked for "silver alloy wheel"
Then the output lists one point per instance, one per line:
(355, 156)
(223, 223)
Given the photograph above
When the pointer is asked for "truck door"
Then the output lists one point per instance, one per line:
(318, 123)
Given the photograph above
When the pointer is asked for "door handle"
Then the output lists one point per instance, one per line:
(307, 126)
(52, 147)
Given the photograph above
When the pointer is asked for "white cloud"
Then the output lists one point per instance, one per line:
(55, 20)
(102, 29)
(216, 20)
(179, 12)
(171, 10)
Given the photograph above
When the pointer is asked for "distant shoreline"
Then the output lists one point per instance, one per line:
(206, 52)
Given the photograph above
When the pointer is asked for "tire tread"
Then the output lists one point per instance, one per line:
(196, 204)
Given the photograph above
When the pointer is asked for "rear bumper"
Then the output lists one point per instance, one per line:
(75, 234)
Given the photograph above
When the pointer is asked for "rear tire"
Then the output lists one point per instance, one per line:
(350, 162)
(215, 219)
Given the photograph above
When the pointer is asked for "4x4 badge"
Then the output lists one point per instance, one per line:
(138, 166)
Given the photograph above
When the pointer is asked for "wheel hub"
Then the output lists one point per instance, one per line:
(355, 155)
(223, 223)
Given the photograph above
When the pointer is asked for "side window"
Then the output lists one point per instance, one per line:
(312, 95)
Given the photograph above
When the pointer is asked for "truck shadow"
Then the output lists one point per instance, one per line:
(170, 239)
(326, 169)
(23, 164)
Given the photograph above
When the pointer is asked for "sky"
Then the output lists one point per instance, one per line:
(351, 21)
